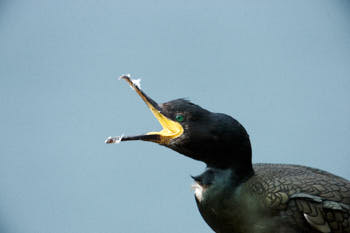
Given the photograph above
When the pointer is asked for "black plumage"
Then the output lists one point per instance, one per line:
(233, 195)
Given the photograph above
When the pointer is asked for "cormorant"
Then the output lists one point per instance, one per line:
(234, 196)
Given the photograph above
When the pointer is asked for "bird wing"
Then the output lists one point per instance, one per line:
(323, 215)
(307, 195)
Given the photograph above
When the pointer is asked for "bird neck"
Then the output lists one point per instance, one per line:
(239, 161)
(241, 173)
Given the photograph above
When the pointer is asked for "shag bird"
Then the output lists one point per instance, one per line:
(234, 196)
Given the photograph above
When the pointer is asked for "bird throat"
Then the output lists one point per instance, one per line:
(211, 182)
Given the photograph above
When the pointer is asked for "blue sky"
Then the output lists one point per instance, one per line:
(280, 67)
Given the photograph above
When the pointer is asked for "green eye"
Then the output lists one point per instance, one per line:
(179, 118)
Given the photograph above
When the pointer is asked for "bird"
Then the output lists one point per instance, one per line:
(234, 195)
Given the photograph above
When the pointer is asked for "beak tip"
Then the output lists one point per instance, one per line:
(134, 84)
(108, 140)
(113, 140)
(125, 76)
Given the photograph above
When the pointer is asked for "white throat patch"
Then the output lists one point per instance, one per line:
(198, 191)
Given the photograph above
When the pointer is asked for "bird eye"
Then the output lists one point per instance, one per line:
(179, 118)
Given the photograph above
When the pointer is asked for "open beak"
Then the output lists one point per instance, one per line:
(171, 129)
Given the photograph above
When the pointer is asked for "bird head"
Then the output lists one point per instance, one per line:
(214, 138)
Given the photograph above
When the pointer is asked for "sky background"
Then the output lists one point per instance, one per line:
(280, 67)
